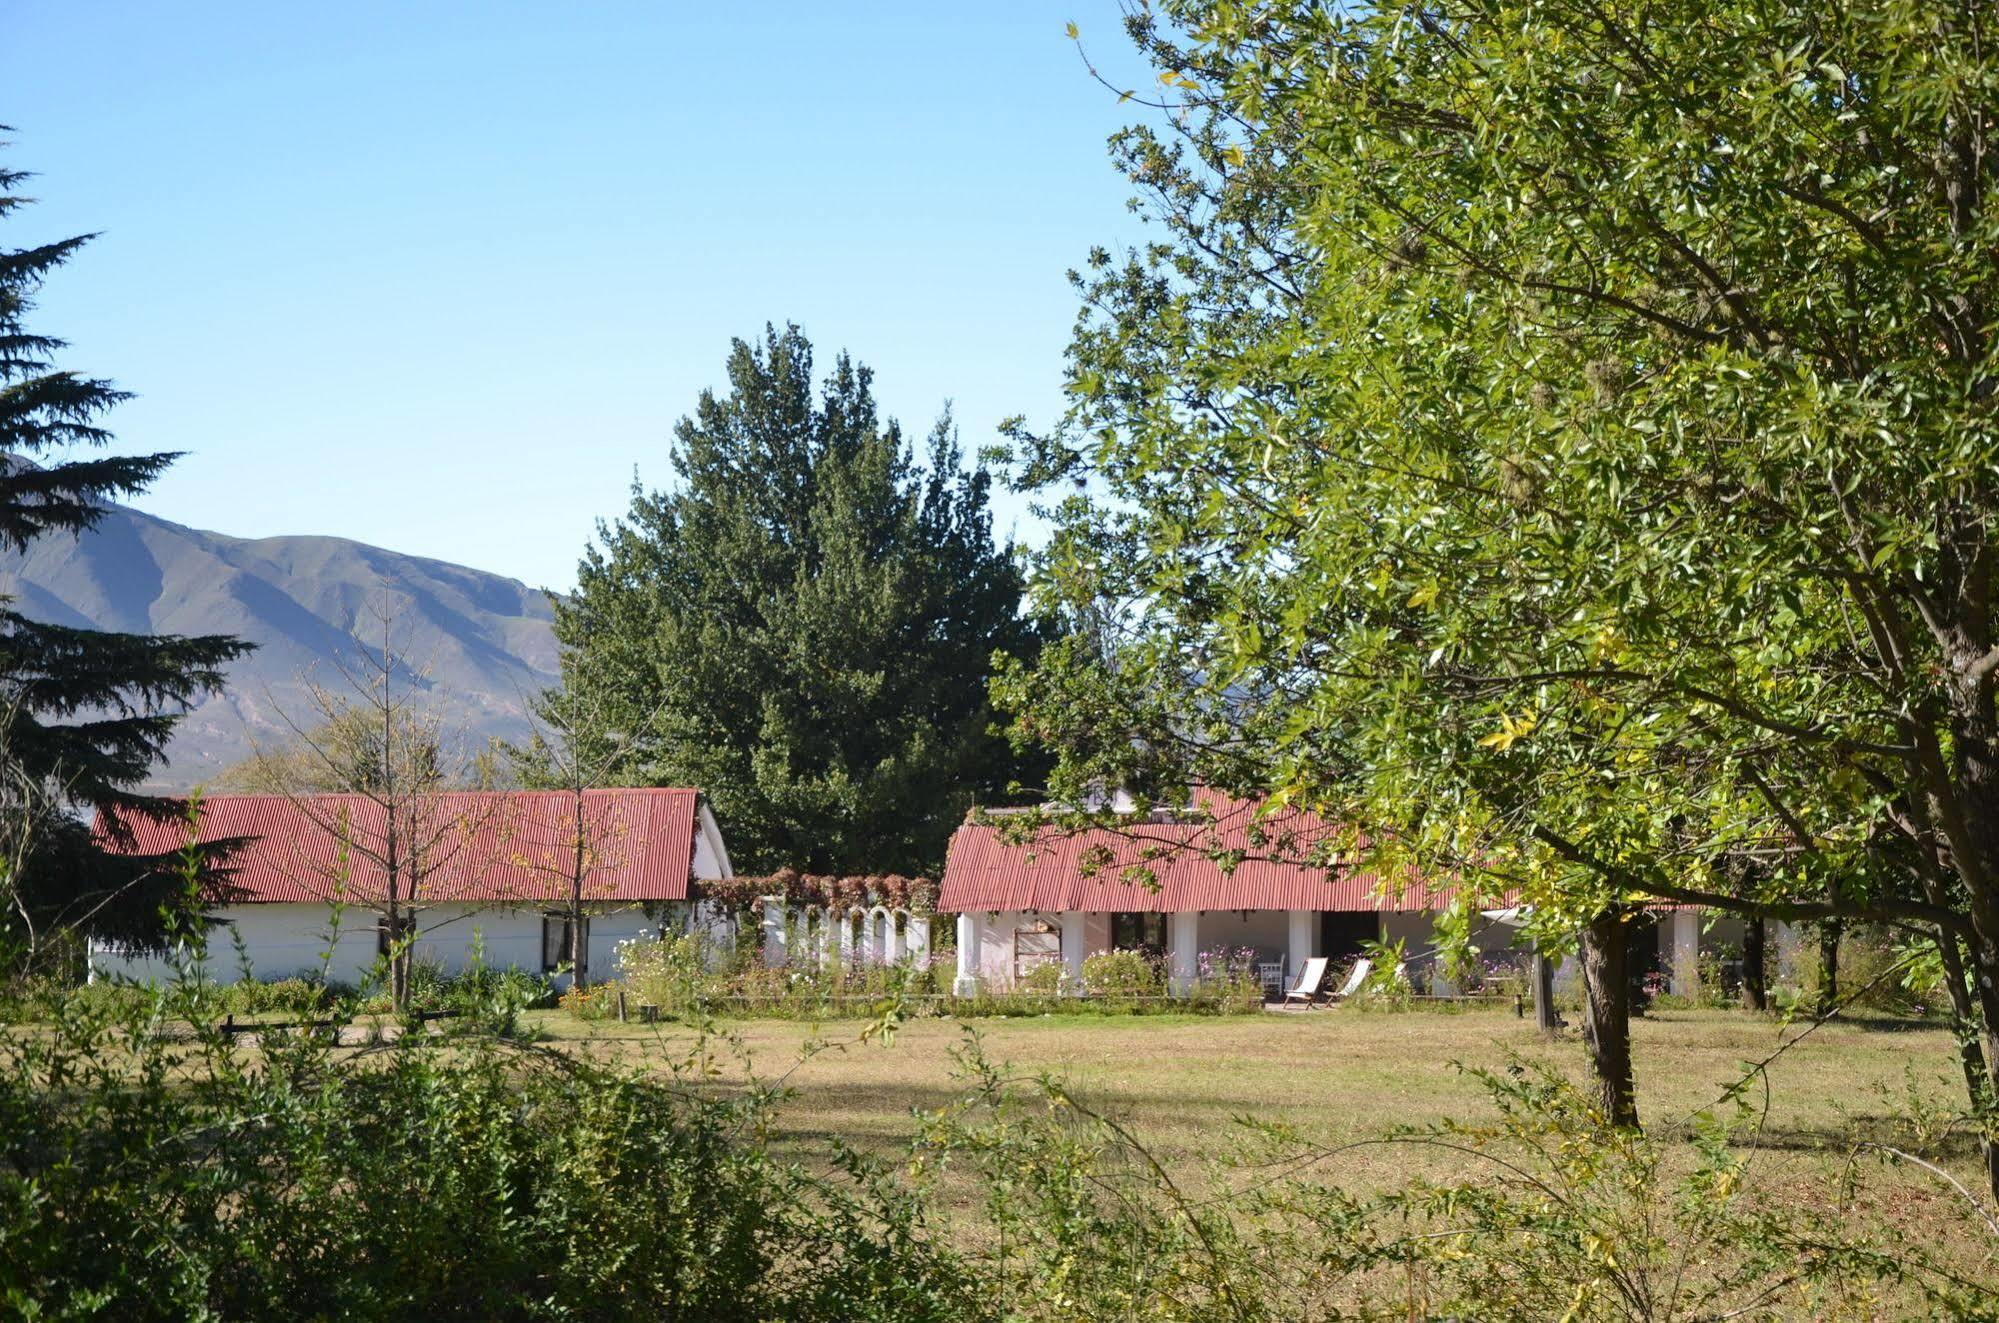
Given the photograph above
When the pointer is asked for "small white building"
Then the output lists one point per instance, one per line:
(304, 886)
(1157, 883)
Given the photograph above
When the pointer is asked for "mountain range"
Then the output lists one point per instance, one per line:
(481, 644)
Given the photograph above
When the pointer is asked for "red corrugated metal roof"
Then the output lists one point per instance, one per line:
(488, 845)
(983, 872)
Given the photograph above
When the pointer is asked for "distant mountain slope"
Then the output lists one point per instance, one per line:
(483, 642)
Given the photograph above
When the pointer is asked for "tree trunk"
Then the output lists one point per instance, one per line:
(1965, 808)
(1983, 949)
(1755, 975)
(401, 926)
(1607, 1017)
(1970, 1052)
(1545, 1018)
(579, 948)
(1828, 998)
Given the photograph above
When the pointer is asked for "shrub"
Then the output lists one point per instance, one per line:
(592, 1003)
(479, 987)
(1878, 971)
(1045, 980)
(1123, 974)
(669, 971)
(1543, 1213)
(288, 995)
(428, 1178)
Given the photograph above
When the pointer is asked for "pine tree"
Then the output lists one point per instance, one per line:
(87, 713)
(804, 625)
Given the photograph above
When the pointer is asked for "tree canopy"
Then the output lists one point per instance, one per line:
(86, 713)
(803, 625)
(1560, 438)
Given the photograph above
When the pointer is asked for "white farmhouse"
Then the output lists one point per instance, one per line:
(492, 869)
(1158, 882)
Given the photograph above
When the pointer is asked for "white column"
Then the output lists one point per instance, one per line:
(1683, 969)
(967, 984)
(777, 932)
(916, 940)
(1183, 951)
(1072, 946)
(1302, 940)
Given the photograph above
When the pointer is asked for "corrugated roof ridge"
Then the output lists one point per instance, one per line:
(209, 797)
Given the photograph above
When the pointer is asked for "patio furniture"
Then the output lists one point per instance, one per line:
(1306, 989)
(1355, 978)
(1270, 974)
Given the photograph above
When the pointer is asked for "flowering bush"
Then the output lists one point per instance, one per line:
(1123, 974)
(1225, 964)
(667, 971)
(1048, 979)
(595, 1003)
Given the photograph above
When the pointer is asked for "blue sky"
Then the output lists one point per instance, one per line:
(438, 276)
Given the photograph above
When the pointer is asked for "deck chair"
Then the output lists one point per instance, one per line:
(1306, 989)
(1355, 978)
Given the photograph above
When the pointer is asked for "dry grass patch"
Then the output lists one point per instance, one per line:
(1336, 1075)
(1341, 1075)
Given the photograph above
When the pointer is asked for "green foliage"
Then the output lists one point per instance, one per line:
(1563, 435)
(1048, 979)
(87, 713)
(152, 1167)
(1546, 1213)
(295, 995)
(670, 971)
(1386, 986)
(803, 626)
(432, 1178)
(1879, 970)
(1497, 522)
(1123, 975)
(684, 978)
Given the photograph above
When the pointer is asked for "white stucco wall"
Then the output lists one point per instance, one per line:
(285, 941)
(996, 935)
(1267, 932)
(711, 856)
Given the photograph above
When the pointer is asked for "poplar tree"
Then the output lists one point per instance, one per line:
(802, 626)
(88, 712)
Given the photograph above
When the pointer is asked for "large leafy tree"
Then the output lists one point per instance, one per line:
(803, 625)
(1587, 472)
(86, 713)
